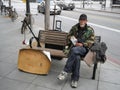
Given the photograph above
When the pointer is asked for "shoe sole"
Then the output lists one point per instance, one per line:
(59, 79)
(73, 86)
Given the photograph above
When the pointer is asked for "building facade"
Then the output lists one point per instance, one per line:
(116, 2)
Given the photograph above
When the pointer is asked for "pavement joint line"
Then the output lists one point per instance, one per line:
(88, 78)
(10, 71)
(97, 25)
(64, 84)
(7, 62)
(21, 81)
(109, 82)
(6, 56)
(108, 69)
(98, 81)
(30, 83)
(43, 86)
(6, 76)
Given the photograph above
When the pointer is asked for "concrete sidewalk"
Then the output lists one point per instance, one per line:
(107, 76)
(96, 6)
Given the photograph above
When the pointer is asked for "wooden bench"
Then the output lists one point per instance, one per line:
(55, 42)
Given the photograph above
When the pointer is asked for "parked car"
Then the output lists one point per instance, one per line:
(88, 2)
(54, 9)
(65, 4)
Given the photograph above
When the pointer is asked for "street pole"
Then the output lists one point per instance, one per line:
(9, 3)
(27, 7)
(83, 3)
(28, 11)
(54, 17)
(105, 4)
(47, 14)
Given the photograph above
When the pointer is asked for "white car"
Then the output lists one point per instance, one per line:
(54, 9)
(65, 4)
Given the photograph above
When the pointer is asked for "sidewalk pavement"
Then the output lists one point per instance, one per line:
(96, 6)
(107, 75)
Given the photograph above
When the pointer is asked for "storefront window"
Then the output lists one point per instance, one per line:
(116, 1)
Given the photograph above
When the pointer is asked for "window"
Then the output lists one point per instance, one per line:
(116, 1)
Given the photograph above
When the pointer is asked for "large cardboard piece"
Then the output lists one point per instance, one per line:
(90, 58)
(33, 61)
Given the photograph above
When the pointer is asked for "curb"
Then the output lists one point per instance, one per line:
(117, 62)
(99, 10)
(116, 65)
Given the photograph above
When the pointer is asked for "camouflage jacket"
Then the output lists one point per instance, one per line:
(87, 36)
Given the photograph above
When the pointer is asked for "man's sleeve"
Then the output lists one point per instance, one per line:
(71, 33)
(89, 35)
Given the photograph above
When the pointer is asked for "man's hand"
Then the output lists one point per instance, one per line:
(79, 44)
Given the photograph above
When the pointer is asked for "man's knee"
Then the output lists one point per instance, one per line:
(74, 50)
(78, 51)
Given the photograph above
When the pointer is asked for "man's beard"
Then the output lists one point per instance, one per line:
(83, 25)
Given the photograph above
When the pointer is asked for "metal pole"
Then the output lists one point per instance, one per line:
(105, 4)
(9, 3)
(111, 3)
(54, 17)
(47, 14)
(83, 3)
(27, 7)
(28, 11)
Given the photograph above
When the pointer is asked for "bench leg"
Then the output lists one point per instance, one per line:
(94, 71)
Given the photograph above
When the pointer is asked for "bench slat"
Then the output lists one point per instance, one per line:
(53, 52)
(53, 37)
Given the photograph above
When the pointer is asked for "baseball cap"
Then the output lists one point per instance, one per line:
(83, 17)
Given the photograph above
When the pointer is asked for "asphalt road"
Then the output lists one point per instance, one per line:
(105, 25)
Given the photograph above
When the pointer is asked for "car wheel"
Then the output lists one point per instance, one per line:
(58, 13)
(38, 11)
(71, 9)
(62, 8)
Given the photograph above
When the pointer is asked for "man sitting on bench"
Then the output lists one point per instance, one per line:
(83, 37)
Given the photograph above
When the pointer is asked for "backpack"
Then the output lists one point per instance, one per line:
(100, 49)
